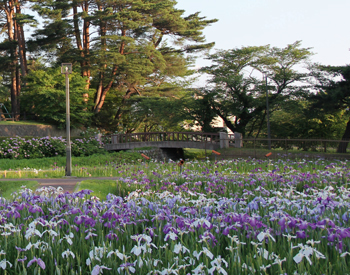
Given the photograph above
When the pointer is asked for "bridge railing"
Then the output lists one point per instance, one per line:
(162, 136)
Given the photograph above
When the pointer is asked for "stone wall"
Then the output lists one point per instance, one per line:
(34, 131)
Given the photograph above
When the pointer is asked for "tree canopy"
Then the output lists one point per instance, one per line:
(121, 48)
(132, 60)
(45, 95)
(333, 95)
(237, 88)
(124, 46)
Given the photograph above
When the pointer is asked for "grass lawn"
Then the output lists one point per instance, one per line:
(49, 163)
(8, 187)
(112, 164)
(102, 188)
(192, 153)
(25, 122)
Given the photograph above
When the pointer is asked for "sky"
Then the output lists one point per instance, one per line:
(322, 25)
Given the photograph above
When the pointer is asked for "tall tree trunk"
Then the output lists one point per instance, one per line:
(252, 128)
(83, 45)
(127, 95)
(100, 93)
(261, 124)
(18, 91)
(20, 57)
(9, 9)
(86, 44)
(228, 123)
(346, 137)
(103, 90)
(21, 45)
(14, 102)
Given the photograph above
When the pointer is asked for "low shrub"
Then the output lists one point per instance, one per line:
(31, 148)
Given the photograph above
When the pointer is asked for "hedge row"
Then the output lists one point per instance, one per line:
(21, 148)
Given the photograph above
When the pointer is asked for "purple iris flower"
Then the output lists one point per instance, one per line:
(107, 224)
(90, 235)
(343, 232)
(13, 214)
(20, 249)
(331, 237)
(282, 223)
(345, 217)
(86, 219)
(34, 209)
(22, 260)
(253, 205)
(340, 246)
(292, 223)
(210, 236)
(76, 228)
(109, 215)
(38, 261)
(75, 210)
(301, 234)
(93, 212)
(226, 231)
(127, 264)
(150, 231)
(20, 207)
(79, 220)
(168, 227)
(326, 221)
(180, 222)
(112, 236)
(303, 225)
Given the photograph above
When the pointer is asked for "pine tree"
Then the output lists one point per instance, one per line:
(123, 47)
(13, 48)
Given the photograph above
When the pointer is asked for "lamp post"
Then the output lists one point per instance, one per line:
(67, 69)
(267, 115)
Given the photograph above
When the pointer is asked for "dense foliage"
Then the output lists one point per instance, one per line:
(120, 48)
(45, 95)
(333, 95)
(240, 78)
(21, 148)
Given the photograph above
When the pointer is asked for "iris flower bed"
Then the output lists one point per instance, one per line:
(227, 217)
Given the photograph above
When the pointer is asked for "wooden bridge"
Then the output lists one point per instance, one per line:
(209, 141)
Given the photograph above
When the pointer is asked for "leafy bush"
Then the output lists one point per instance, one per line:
(21, 148)
(45, 97)
(85, 146)
(92, 132)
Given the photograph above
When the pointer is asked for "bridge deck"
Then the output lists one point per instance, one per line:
(210, 141)
(163, 144)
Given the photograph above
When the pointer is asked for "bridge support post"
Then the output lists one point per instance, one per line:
(238, 140)
(224, 142)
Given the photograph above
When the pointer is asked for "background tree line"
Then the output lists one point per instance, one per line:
(133, 63)
(118, 49)
(305, 100)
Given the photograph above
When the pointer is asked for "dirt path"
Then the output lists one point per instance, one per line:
(68, 184)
